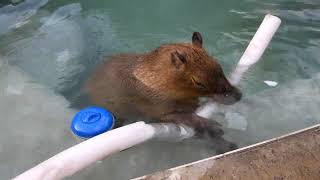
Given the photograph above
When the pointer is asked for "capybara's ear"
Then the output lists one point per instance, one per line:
(178, 59)
(197, 39)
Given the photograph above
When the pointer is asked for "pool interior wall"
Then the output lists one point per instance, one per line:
(293, 156)
(48, 48)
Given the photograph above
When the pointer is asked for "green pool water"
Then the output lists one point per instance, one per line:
(57, 43)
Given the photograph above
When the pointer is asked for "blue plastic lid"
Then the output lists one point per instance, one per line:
(92, 121)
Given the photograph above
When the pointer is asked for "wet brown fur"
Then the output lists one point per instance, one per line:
(162, 85)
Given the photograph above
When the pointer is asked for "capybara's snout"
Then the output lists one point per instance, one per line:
(229, 97)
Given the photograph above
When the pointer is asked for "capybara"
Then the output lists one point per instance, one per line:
(163, 85)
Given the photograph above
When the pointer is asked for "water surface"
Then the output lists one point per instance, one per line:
(48, 48)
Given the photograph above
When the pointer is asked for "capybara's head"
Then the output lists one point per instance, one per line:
(193, 72)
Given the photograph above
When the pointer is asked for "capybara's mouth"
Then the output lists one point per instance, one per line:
(228, 98)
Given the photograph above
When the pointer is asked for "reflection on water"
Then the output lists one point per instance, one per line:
(48, 48)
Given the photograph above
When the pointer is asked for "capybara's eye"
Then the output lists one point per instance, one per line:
(198, 84)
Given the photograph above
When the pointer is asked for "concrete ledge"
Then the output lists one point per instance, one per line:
(293, 156)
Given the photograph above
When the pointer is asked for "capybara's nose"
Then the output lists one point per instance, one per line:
(234, 96)
(237, 94)
(230, 97)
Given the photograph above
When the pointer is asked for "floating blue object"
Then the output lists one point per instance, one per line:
(92, 121)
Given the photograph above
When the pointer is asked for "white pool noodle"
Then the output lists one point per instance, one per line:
(252, 54)
(80, 156)
(256, 47)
